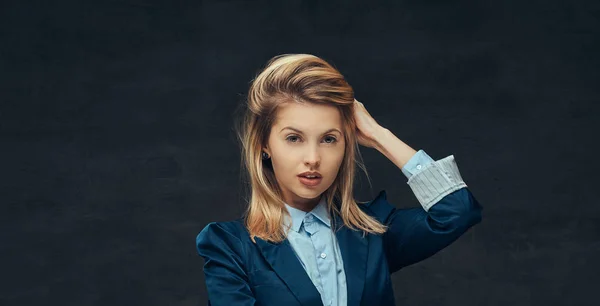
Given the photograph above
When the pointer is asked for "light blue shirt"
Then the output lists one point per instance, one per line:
(315, 244)
(416, 163)
(317, 249)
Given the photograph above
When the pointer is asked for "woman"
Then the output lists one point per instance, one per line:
(304, 240)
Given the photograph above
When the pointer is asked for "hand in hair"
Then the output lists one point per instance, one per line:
(367, 129)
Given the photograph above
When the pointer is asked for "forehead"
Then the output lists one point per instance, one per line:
(307, 116)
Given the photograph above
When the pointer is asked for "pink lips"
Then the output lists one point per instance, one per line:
(310, 182)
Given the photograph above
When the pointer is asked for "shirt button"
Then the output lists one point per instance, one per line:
(419, 167)
(323, 255)
(309, 217)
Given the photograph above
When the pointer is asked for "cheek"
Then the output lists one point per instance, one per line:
(284, 163)
(340, 153)
(335, 161)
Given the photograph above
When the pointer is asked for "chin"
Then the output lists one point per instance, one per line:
(312, 193)
(309, 194)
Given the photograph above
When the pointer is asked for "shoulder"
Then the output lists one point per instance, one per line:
(224, 234)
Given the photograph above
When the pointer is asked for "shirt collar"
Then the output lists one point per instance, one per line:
(320, 211)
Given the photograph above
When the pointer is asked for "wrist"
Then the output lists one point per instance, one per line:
(379, 138)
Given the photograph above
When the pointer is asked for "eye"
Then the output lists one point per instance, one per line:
(296, 138)
(289, 138)
(333, 139)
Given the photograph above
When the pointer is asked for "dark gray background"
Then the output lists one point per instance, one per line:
(117, 144)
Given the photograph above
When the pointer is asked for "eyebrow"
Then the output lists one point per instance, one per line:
(299, 131)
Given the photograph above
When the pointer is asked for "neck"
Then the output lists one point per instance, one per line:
(303, 204)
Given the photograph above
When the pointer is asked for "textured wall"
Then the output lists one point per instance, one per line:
(117, 143)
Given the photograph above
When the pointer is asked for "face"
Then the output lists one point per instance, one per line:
(305, 137)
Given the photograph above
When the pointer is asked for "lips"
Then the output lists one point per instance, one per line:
(310, 173)
(310, 182)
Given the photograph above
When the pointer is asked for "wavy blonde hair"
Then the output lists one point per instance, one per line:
(298, 78)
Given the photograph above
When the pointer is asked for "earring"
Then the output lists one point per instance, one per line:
(265, 155)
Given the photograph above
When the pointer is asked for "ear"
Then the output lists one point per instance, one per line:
(266, 149)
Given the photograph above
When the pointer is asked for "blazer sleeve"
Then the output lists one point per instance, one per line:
(448, 209)
(224, 271)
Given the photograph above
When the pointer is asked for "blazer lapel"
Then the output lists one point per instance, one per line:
(284, 262)
(354, 249)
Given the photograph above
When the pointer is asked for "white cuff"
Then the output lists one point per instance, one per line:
(435, 181)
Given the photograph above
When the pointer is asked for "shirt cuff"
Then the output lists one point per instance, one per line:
(435, 180)
(416, 163)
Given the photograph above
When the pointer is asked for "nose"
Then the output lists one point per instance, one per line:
(312, 157)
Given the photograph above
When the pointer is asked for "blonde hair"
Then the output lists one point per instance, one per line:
(298, 78)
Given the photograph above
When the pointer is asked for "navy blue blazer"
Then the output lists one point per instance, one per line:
(239, 272)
